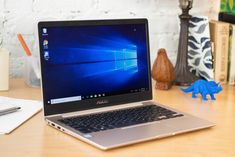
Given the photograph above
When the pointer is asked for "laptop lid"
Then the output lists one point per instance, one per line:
(93, 64)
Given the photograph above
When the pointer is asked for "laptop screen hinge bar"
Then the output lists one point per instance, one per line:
(103, 109)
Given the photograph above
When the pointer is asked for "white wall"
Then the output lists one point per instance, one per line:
(21, 16)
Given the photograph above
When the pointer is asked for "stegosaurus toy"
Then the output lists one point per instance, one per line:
(203, 87)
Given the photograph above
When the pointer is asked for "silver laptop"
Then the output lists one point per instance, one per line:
(96, 84)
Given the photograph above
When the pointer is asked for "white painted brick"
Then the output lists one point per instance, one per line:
(163, 24)
(160, 41)
(1, 5)
(22, 16)
(168, 6)
(19, 23)
(1, 28)
(63, 5)
(18, 5)
(14, 24)
(127, 5)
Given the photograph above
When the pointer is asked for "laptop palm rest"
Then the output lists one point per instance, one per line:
(133, 134)
(128, 135)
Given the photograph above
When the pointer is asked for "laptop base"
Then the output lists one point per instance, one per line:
(118, 137)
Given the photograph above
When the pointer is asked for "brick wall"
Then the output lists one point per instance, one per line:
(22, 16)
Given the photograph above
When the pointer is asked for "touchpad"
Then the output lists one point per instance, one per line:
(132, 133)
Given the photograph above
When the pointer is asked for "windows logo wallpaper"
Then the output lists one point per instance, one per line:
(88, 60)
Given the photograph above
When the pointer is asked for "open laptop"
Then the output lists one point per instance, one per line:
(96, 83)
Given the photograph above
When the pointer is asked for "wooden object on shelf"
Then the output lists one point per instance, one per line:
(163, 71)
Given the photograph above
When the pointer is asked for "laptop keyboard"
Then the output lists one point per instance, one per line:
(119, 118)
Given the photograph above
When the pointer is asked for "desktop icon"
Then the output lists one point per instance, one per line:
(45, 44)
(44, 30)
(46, 55)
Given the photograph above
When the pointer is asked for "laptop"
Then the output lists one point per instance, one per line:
(96, 83)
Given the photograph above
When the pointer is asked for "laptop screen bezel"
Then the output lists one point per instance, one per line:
(51, 109)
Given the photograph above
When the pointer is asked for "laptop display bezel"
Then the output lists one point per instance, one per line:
(51, 109)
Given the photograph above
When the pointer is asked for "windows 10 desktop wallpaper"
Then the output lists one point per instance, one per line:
(92, 61)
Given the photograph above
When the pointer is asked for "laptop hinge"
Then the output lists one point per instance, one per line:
(103, 109)
(54, 115)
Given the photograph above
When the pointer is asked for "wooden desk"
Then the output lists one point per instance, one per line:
(35, 138)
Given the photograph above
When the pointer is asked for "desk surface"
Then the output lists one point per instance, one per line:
(34, 138)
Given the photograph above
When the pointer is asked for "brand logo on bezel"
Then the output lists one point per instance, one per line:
(102, 102)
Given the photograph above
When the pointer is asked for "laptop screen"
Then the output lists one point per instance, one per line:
(93, 61)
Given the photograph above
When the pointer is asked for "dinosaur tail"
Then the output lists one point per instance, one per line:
(186, 90)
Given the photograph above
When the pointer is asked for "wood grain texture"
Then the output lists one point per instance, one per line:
(36, 139)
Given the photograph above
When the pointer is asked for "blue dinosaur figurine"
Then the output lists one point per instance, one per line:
(203, 87)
